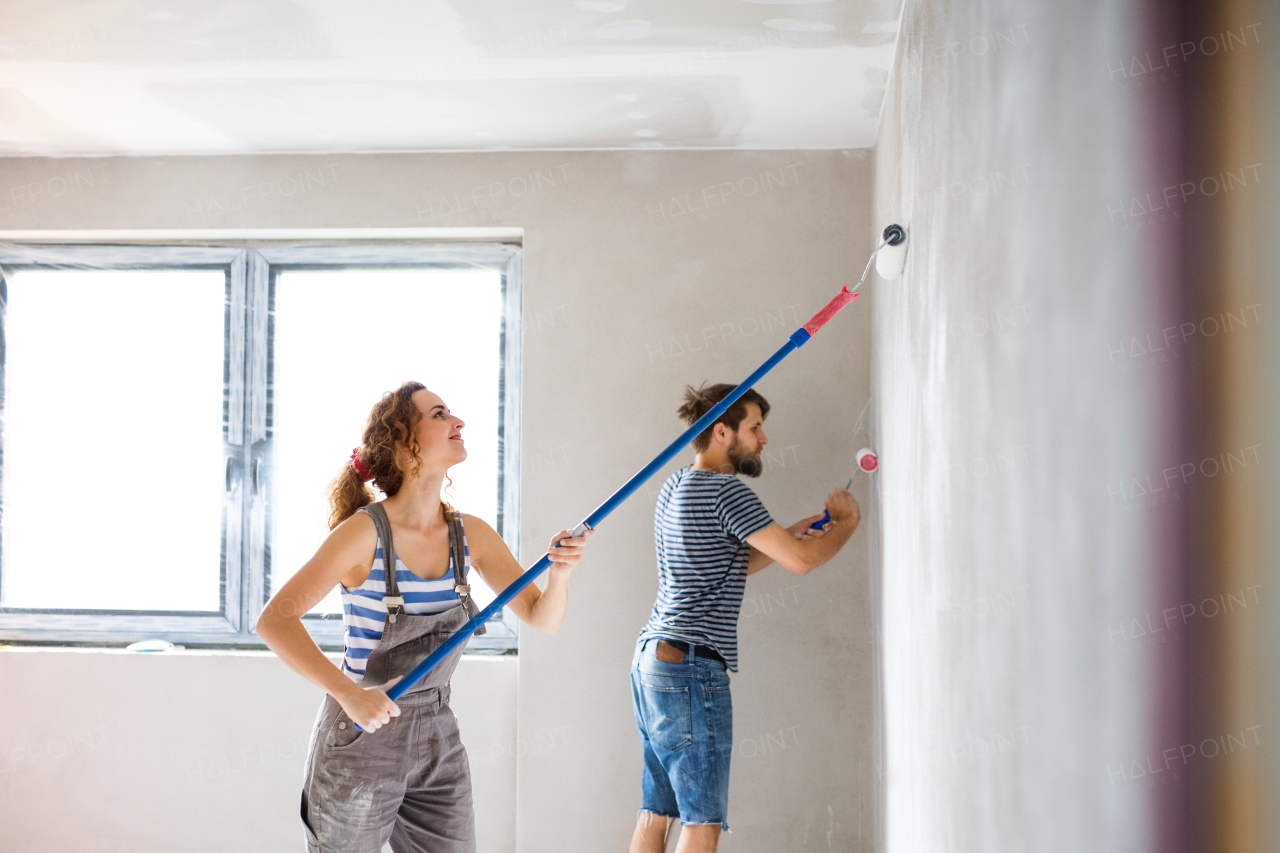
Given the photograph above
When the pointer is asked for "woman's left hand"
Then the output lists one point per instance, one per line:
(566, 550)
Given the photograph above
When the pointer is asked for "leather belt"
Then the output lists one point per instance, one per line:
(698, 651)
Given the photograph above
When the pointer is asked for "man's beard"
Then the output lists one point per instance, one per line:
(748, 466)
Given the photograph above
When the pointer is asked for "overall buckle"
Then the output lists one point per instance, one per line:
(391, 601)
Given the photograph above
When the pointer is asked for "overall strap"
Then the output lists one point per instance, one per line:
(458, 554)
(391, 597)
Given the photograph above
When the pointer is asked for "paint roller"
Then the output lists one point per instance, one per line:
(891, 255)
(867, 461)
(797, 339)
(890, 258)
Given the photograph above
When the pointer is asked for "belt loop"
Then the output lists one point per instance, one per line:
(690, 656)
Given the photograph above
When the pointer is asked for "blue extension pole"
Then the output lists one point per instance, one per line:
(798, 339)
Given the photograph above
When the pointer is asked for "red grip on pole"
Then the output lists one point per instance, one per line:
(843, 298)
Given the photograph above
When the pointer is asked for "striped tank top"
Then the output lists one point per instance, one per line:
(364, 613)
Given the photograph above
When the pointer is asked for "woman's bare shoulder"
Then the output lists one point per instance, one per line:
(475, 525)
(356, 532)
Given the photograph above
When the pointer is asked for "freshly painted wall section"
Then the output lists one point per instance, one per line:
(1015, 418)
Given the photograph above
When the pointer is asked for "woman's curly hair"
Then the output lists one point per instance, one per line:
(392, 426)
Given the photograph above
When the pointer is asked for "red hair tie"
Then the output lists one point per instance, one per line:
(362, 472)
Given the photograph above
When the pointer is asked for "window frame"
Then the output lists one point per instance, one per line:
(247, 440)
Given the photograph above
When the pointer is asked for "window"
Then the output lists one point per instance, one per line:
(172, 416)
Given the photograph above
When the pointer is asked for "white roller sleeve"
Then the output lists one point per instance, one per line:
(891, 260)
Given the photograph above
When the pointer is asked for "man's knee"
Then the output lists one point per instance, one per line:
(651, 832)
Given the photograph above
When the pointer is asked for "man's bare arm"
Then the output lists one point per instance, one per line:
(802, 555)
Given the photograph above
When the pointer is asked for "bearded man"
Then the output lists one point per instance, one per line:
(711, 531)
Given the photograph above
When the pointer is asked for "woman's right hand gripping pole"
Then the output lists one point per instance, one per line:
(369, 707)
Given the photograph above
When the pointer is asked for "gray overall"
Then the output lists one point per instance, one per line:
(409, 782)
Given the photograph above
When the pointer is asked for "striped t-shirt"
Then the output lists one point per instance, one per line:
(364, 613)
(700, 530)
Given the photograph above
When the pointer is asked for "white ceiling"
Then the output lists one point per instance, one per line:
(91, 77)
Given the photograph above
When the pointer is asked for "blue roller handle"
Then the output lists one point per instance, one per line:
(826, 513)
(797, 339)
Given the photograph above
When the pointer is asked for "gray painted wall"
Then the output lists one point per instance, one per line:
(643, 271)
(197, 751)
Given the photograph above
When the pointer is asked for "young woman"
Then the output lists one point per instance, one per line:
(404, 778)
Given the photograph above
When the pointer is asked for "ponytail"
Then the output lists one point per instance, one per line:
(347, 493)
(392, 426)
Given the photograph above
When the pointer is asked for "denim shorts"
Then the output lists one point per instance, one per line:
(685, 718)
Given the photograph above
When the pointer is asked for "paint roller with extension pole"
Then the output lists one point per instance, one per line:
(891, 259)
(795, 341)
